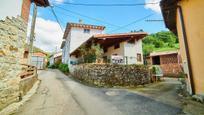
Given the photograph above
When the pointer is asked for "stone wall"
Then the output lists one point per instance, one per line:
(27, 83)
(112, 75)
(12, 41)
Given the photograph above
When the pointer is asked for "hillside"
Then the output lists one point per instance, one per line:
(161, 41)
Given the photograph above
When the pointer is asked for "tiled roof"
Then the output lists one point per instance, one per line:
(120, 35)
(40, 54)
(43, 3)
(163, 53)
(80, 25)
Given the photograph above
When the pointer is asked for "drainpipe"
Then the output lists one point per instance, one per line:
(186, 49)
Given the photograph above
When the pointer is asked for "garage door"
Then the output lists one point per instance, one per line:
(38, 62)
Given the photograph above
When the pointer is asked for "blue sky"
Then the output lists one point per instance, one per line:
(117, 16)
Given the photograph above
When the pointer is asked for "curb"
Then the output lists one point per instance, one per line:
(14, 107)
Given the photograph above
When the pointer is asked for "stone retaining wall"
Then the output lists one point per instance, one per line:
(112, 75)
(27, 83)
(12, 41)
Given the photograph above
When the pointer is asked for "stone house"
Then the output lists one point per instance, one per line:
(169, 61)
(185, 19)
(124, 48)
(13, 26)
(76, 34)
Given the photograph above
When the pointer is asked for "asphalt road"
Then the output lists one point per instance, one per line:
(59, 95)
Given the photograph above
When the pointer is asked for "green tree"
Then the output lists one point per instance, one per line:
(90, 54)
(163, 39)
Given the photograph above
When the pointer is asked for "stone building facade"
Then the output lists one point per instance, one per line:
(13, 26)
(13, 37)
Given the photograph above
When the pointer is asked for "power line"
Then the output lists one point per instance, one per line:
(52, 10)
(143, 18)
(73, 16)
(154, 20)
(87, 16)
(82, 4)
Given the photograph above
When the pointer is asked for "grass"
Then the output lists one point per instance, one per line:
(176, 47)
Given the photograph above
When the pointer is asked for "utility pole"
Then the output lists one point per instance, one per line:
(32, 33)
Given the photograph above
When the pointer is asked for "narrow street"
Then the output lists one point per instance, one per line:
(59, 95)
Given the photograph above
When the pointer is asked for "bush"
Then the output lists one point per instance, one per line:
(64, 68)
(54, 66)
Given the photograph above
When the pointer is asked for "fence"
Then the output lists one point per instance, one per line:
(109, 59)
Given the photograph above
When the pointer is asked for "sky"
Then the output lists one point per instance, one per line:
(48, 34)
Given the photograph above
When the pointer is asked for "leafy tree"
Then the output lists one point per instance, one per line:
(147, 49)
(90, 54)
(163, 39)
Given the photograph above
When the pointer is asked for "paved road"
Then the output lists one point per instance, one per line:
(59, 95)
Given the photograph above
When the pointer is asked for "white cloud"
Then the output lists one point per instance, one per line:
(154, 7)
(48, 34)
(60, 1)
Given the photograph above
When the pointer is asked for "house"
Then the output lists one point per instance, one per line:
(169, 61)
(76, 34)
(56, 58)
(39, 60)
(185, 19)
(124, 48)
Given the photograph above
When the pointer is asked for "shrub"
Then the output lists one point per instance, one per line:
(54, 66)
(63, 67)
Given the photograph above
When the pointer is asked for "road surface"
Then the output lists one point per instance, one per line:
(60, 95)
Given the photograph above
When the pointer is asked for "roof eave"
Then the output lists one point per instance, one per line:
(42, 3)
(169, 8)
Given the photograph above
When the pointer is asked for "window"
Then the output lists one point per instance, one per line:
(139, 57)
(116, 46)
(86, 30)
(25, 54)
(105, 50)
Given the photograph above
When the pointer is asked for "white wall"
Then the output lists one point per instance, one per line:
(10, 8)
(51, 60)
(139, 50)
(119, 51)
(129, 51)
(65, 52)
(76, 38)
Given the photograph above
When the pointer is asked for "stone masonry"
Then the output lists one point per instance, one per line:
(112, 75)
(12, 41)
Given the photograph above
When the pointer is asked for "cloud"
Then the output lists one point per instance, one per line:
(153, 7)
(61, 1)
(48, 34)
